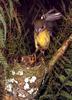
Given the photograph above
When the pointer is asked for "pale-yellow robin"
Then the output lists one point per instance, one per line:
(41, 32)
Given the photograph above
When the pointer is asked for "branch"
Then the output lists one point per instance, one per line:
(59, 53)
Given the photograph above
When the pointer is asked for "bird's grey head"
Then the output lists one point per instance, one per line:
(39, 26)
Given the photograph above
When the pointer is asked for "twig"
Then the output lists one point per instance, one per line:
(63, 6)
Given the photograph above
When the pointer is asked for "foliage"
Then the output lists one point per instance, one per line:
(8, 41)
(2, 34)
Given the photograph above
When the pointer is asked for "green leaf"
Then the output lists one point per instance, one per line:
(3, 60)
(11, 8)
(1, 39)
(62, 78)
(66, 94)
(4, 26)
(2, 20)
(69, 83)
(68, 71)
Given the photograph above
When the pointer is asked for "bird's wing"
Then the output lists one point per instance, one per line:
(51, 15)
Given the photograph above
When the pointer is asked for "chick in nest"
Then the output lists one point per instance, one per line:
(28, 60)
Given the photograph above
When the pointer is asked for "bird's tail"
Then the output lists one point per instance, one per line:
(51, 15)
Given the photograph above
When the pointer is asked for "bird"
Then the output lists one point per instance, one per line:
(41, 36)
(41, 30)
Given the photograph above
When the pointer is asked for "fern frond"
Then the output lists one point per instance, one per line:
(62, 78)
(2, 20)
(68, 83)
(11, 8)
(66, 94)
(3, 60)
(2, 44)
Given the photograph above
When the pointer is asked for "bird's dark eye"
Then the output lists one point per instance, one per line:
(43, 26)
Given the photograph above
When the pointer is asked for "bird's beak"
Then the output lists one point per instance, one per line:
(51, 15)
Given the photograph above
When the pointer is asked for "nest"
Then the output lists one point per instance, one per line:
(55, 81)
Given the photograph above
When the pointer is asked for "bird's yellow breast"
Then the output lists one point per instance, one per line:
(43, 39)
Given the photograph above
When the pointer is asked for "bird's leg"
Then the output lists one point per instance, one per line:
(43, 57)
